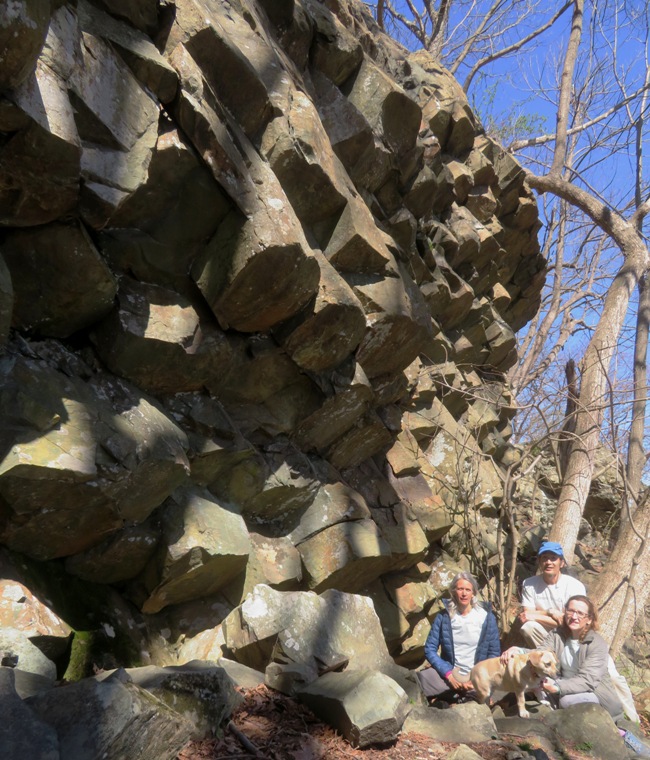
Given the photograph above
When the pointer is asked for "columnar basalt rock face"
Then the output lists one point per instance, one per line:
(260, 276)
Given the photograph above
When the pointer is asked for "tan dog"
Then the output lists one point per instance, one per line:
(524, 672)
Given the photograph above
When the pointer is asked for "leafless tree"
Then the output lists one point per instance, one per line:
(625, 233)
(623, 588)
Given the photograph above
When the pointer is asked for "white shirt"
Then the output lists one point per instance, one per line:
(538, 595)
(569, 658)
(466, 630)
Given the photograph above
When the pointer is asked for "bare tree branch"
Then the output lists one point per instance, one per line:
(564, 102)
(533, 142)
(512, 48)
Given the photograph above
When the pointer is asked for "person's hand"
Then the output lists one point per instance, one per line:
(557, 615)
(523, 617)
(550, 686)
(505, 656)
(459, 686)
(455, 684)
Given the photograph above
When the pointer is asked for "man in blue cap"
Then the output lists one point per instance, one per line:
(543, 596)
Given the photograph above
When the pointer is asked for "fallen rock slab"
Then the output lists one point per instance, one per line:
(110, 720)
(349, 702)
(471, 721)
(301, 627)
(202, 692)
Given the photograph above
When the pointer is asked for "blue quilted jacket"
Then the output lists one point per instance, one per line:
(440, 637)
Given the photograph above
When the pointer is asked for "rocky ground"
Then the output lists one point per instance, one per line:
(270, 726)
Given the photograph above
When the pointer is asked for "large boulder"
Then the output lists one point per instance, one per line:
(121, 556)
(156, 338)
(28, 656)
(332, 630)
(470, 721)
(201, 692)
(273, 561)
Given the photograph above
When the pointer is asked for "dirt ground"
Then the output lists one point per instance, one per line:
(270, 726)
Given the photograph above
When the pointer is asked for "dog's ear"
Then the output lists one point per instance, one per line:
(535, 657)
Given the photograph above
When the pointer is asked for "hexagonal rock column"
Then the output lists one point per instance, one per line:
(61, 283)
(388, 109)
(81, 457)
(257, 272)
(328, 330)
(156, 338)
(206, 545)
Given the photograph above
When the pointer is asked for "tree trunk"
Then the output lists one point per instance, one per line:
(569, 425)
(598, 355)
(623, 588)
(592, 401)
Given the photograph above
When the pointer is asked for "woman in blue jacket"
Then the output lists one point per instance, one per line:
(462, 634)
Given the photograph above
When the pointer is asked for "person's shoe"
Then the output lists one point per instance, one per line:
(636, 745)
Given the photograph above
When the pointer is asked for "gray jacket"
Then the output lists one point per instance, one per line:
(592, 675)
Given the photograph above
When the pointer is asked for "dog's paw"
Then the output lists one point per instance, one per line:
(524, 714)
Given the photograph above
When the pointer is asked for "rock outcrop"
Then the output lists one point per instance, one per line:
(261, 272)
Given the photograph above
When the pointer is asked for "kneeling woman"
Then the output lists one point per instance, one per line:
(465, 633)
(583, 656)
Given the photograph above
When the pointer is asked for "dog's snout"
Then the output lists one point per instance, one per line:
(551, 666)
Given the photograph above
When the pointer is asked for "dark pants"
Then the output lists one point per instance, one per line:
(434, 685)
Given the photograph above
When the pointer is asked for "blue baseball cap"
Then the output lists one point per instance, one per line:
(551, 546)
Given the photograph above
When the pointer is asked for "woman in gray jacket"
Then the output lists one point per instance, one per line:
(582, 655)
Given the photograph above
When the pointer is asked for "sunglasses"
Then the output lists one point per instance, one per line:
(576, 614)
